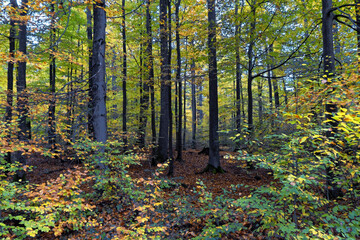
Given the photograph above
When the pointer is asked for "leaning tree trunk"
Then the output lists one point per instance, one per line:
(10, 72)
(22, 95)
(214, 157)
(98, 68)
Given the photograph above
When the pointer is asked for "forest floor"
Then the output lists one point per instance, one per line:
(186, 173)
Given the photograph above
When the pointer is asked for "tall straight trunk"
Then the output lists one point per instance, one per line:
(144, 103)
(98, 67)
(22, 96)
(52, 76)
(141, 133)
(270, 87)
(250, 71)
(185, 120)
(91, 74)
(178, 80)
(329, 74)
(124, 72)
(200, 112)
(238, 84)
(214, 157)
(260, 102)
(169, 78)
(285, 93)
(193, 105)
(275, 84)
(163, 144)
(10, 72)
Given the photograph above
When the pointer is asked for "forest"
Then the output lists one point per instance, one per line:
(179, 119)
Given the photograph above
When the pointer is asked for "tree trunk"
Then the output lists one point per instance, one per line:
(179, 88)
(149, 77)
(357, 11)
(163, 145)
(169, 79)
(260, 103)
(52, 73)
(91, 74)
(329, 74)
(22, 96)
(193, 105)
(98, 68)
(238, 71)
(185, 120)
(150, 69)
(274, 82)
(250, 70)
(10, 72)
(124, 72)
(214, 157)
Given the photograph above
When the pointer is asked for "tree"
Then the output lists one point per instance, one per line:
(193, 105)
(163, 145)
(214, 157)
(178, 81)
(149, 78)
(98, 71)
(22, 95)
(91, 80)
(329, 76)
(52, 81)
(10, 70)
(124, 70)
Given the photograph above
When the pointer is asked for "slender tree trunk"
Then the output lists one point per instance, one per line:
(10, 73)
(238, 71)
(260, 102)
(179, 88)
(163, 144)
(124, 72)
(98, 68)
(52, 73)
(200, 112)
(144, 103)
(193, 105)
(149, 68)
(250, 71)
(91, 74)
(214, 157)
(285, 93)
(22, 95)
(169, 79)
(275, 84)
(185, 120)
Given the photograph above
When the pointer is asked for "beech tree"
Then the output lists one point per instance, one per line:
(214, 157)
(98, 71)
